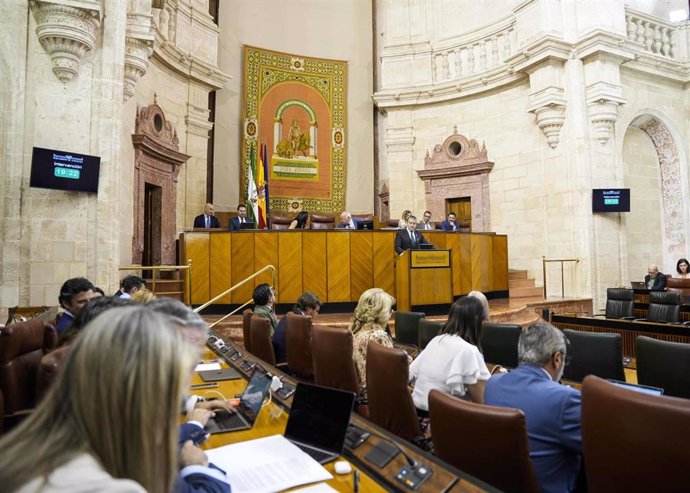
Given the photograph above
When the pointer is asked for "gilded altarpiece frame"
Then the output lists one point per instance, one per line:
(297, 107)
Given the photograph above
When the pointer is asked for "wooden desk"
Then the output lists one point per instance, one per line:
(336, 265)
(273, 418)
(628, 329)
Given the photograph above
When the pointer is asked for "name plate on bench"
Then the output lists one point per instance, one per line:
(426, 259)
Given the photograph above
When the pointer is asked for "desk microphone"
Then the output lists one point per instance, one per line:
(414, 473)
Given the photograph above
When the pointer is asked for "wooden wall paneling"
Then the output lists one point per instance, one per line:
(383, 259)
(220, 262)
(265, 253)
(290, 255)
(314, 264)
(361, 263)
(431, 286)
(402, 282)
(242, 251)
(481, 262)
(437, 237)
(196, 249)
(500, 257)
(338, 252)
(453, 242)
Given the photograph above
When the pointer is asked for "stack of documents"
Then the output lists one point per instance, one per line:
(266, 465)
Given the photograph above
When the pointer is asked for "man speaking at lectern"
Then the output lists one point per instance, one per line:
(408, 238)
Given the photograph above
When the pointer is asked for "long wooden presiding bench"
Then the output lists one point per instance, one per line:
(336, 265)
(273, 418)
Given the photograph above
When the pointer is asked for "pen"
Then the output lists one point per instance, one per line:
(355, 480)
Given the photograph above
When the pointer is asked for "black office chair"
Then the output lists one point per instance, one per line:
(619, 303)
(406, 325)
(593, 353)
(427, 331)
(664, 364)
(664, 307)
(499, 344)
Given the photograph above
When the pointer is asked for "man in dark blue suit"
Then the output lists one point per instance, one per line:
(207, 219)
(308, 304)
(241, 218)
(655, 280)
(552, 410)
(408, 238)
(451, 223)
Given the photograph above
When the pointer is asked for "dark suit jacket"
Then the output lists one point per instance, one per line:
(659, 282)
(235, 223)
(280, 338)
(200, 223)
(446, 226)
(553, 414)
(199, 479)
(403, 242)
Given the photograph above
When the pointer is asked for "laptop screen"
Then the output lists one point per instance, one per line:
(365, 225)
(639, 388)
(254, 394)
(247, 225)
(319, 417)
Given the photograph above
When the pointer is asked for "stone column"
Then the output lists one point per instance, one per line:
(399, 141)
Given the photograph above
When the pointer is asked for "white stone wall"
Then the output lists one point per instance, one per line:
(553, 106)
(338, 29)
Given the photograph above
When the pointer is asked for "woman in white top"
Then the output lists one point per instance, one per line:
(110, 420)
(452, 362)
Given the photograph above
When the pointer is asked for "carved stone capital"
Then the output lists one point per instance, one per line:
(138, 49)
(67, 30)
(603, 114)
(550, 119)
(137, 53)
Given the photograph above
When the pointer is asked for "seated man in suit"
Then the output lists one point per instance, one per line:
(408, 238)
(308, 304)
(74, 294)
(450, 224)
(207, 219)
(552, 410)
(426, 223)
(655, 280)
(346, 221)
(241, 218)
(264, 299)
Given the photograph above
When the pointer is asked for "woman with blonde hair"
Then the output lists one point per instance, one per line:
(143, 296)
(369, 324)
(403, 219)
(110, 421)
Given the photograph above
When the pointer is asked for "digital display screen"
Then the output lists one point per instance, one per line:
(611, 200)
(62, 170)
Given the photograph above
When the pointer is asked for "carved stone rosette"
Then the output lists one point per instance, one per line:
(67, 31)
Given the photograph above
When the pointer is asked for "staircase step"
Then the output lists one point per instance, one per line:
(526, 292)
(520, 283)
(517, 274)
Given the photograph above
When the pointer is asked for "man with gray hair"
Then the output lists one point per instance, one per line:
(552, 410)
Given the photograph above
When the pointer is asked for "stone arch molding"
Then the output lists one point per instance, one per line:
(672, 191)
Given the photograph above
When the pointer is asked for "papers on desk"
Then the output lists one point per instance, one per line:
(266, 465)
(207, 366)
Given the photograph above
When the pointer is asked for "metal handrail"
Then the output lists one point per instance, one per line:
(187, 277)
(222, 319)
(241, 283)
(544, 261)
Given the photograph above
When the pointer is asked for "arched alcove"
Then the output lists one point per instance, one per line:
(671, 188)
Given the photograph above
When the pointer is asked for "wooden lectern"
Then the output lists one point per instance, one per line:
(423, 277)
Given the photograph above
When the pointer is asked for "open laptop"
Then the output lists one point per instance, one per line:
(318, 420)
(247, 225)
(219, 375)
(638, 285)
(364, 225)
(250, 404)
(645, 389)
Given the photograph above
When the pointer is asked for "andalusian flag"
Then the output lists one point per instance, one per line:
(252, 195)
(260, 189)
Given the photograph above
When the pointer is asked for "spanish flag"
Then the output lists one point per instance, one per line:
(261, 188)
